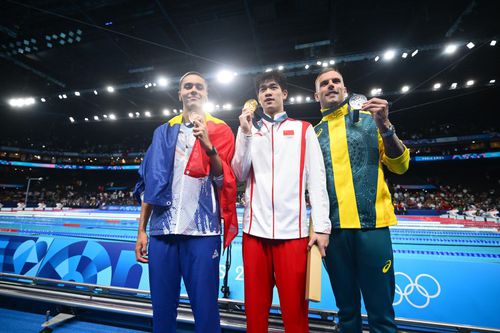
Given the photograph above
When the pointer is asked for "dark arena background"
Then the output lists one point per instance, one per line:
(85, 83)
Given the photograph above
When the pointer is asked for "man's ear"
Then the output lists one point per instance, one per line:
(285, 94)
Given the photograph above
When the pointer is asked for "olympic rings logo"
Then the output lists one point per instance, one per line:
(411, 286)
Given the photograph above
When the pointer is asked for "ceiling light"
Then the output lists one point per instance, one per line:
(110, 89)
(208, 107)
(225, 77)
(389, 55)
(162, 82)
(450, 48)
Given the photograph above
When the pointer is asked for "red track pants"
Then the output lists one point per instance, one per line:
(267, 262)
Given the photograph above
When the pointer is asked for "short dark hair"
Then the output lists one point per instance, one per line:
(278, 77)
(190, 73)
(326, 70)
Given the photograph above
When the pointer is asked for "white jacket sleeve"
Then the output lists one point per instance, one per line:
(242, 159)
(316, 184)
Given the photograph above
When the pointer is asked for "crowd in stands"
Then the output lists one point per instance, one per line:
(457, 198)
(76, 195)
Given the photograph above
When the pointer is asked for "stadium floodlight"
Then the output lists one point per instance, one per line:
(299, 99)
(450, 48)
(217, 106)
(332, 62)
(96, 118)
(225, 77)
(436, 86)
(308, 99)
(376, 91)
(404, 55)
(269, 69)
(377, 58)
(105, 116)
(60, 96)
(414, 53)
(493, 43)
(110, 89)
(21, 102)
(292, 99)
(162, 81)
(166, 112)
(95, 92)
(281, 67)
(469, 83)
(137, 114)
(389, 55)
(208, 107)
(77, 93)
(318, 63)
(306, 66)
(147, 113)
(324, 64)
(174, 111)
(492, 81)
(130, 115)
(86, 119)
(72, 119)
(112, 116)
(453, 85)
(227, 106)
(64, 96)
(405, 89)
(470, 45)
(43, 100)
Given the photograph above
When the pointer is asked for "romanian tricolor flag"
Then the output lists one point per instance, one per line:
(156, 170)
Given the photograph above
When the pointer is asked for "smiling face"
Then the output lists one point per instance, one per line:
(330, 89)
(193, 92)
(271, 97)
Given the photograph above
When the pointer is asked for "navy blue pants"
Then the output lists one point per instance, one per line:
(196, 259)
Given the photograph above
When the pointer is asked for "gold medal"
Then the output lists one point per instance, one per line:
(251, 105)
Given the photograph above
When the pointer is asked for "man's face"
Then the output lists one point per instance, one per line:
(193, 92)
(271, 97)
(330, 89)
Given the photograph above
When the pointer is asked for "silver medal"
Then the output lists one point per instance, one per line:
(356, 101)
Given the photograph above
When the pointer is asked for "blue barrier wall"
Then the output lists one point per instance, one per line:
(452, 287)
